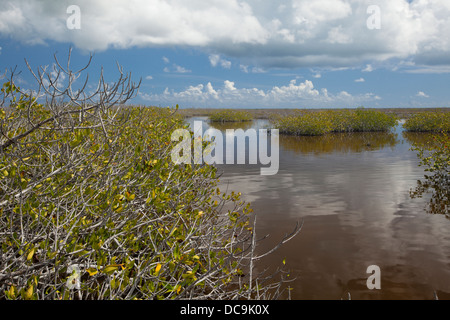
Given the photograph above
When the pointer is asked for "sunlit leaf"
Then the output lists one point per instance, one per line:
(92, 271)
(30, 254)
(158, 268)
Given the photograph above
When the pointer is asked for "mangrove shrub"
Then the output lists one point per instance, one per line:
(92, 207)
(435, 157)
(314, 123)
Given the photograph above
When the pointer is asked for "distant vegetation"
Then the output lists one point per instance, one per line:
(313, 123)
(268, 113)
(229, 115)
(428, 122)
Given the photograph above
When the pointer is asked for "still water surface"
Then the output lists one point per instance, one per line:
(351, 191)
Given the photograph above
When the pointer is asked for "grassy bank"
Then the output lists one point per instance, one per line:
(321, 122)
(268, 113)
(229, 115)
(428, 122)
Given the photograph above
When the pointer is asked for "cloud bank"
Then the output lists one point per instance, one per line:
(282, 34)
(291, 95)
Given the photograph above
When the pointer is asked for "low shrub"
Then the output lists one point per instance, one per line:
(230, 115)
(320, 122)
(92, 206)
(428, 122)
(435, 157)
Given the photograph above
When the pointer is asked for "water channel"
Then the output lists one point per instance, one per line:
(352, 193)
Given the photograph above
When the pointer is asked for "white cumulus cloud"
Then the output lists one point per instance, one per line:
(368, 68)
(294, 94)
(422, 94)
(176, 69)
(216, 60)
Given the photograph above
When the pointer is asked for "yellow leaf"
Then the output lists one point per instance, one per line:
(30, 254)
(92, 271)
(29, 293)
(129, 196)
(158, 267)
(12, 293)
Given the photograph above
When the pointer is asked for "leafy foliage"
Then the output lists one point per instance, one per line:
(315, 123)
(230, 115)
(435, 156)
(428, 122)
(92, 207)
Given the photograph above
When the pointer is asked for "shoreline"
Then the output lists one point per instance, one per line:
(266, 113)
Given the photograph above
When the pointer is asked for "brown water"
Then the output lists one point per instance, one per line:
(351, 191)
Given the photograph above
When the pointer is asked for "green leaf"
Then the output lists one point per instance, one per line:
(112, 267)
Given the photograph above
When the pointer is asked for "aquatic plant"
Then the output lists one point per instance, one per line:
(313, 123)
(428, 122)
(435, 157)
(230, 115)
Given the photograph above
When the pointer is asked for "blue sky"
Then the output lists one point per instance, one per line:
(252, 54)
